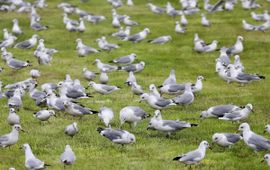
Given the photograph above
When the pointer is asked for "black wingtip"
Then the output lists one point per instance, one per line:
(45, 165)
(262, 77)
(100, 129)
(194, 124)
(176, 158)
(160, 86)
(94, 111)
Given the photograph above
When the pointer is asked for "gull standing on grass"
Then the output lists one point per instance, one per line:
(204, 21)
(218, 111)
(103, 88)
(154, 91)
(186, 98)
(71, 129)
(117, 136)
(197, 87)
(16, 28)
(236, 75)
(89, 75)
(178, 28)
(161, 39)
(104, 67)
(132, 115)
(27, 43)
(253, 140)
(226, 139)
(267, 128)
(16, 64)
(103, 78)
(44, 115)
(135, 88)
(131, 77)
(195, 156)
(84, 50)
(237, 48)
(133, 67)
(138, 37)
(15, 101)
(68, 157)
(11, 138)
(238, 114)
(106, 115)
(155, 9)
(156, 103)
(31, 162)
(171, 79)
(77, 110)
(13, 118)
(125, 59)
(167, 126)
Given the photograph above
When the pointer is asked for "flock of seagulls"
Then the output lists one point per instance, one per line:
(65, 95)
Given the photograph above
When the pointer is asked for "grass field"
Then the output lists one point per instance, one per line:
(152, 149)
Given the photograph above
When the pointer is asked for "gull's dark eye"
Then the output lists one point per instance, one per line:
(216, 138)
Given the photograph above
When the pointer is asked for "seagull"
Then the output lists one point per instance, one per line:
(103, 78)
(104, 67)
(178, 28)
(115, 22)
(68, 157)
(27, 43)
(71, 129)
(135, 88)
(171, 79)
(195, 156)
(138, 37)
(34, 73)
(83, 50)
(103, 88)
(129, 22)
(237, 47)
(88, 75)
(131, 78)
(154, 91)
(134, 67)
(172, 88)
(197, 87)
(104, 45)
(15, 101)
(238, 76)
(161, 39)
(106, 115)
(16, 28)
(44, 115)
(253, 140)
(247, 26)
(267, 159)
(204, 21)
(95, 19)
(237, 115)
(186, 98)
(168, 126)
(31, 162)
(226, 139)
(16, 64)
(155, 9)
(265, 26)
(156, 103)
(8, 42)
(81, 27)
(125, 60)
(117, 136)
(122, 33)
(237, 63)
(218, 111)
(11, 138)
(183, 20)
(77, 110)
(54, 102)
(36, 25)
(13, 118)
(132, 115)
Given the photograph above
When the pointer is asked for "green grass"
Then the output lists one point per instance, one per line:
(152, 150)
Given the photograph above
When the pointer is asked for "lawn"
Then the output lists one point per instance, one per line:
(152, 149)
